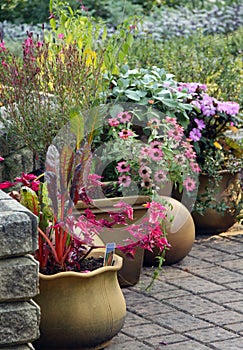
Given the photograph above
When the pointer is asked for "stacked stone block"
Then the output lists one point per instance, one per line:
(19, 314)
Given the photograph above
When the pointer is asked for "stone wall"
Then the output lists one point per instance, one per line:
(19, 314)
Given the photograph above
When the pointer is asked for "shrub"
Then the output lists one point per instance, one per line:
(213, 59)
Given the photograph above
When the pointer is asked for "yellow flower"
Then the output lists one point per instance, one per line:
(217, 145)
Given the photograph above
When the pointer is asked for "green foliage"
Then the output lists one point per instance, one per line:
(215, 60)
(24, 11)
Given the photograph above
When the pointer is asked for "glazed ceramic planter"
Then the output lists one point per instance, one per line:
(180, 234)
(229, 191)
(81, 310)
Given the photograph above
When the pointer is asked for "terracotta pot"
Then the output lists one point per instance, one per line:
(81, 310)
(180, 234)
(229, 191)
(130, 272)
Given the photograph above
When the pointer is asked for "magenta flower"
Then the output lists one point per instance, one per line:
(126, 209)
(124, 117)
(124, 180)
(60, 36)
(4, 64)
(6, 184)
(195, 134)
(156, 211)
(190, 184)
(1, 159)
(123, 167)
(124, 134)
(144, 151)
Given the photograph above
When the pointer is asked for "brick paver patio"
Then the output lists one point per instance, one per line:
(196, 304)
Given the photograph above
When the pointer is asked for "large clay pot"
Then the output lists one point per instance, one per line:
(81, 310)
(130, 272)
(180, 234)
(229, 191)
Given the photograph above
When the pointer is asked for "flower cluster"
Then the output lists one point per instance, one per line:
(209, 122)
(151, 154)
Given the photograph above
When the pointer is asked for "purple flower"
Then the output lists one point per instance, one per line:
(200, 123)
(231, 108)
(195, 134)
(208, 105)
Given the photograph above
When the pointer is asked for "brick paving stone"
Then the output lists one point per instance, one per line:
(219, 275)
(136, 298)
(211, 334)
(180, 322)
(224, 296)
(236, 264)
(211, 255)
(197, 285)
(235, 327)
(230, 344)
(236, 285)
(192, 263)
(194, 305)
(152, 307)
(170, 294)
(169, 273)
(223, 317)
(144, 331)
(237, 306)
(188, 345)
(224, 245)
(133, 320)
(131, 345)
(165, 340)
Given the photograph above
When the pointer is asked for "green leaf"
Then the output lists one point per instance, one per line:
(133, 95)
(77, 124)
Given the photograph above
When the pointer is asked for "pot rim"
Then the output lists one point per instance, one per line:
(97, 252)
(109, 202)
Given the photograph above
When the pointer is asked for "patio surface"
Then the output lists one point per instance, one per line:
(196, 304)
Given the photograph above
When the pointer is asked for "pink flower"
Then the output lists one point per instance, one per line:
(123, 167)
(124, 117)
(4, 64)
(172, 121)
(60, 36)
(124, 180)
(190, 154)
(146, 183)
(1, 159)
(144, 171)
(113, 122)
(154, 123)
(2, 47)
(160, 175)
(156, 211)
(176, 133)
(195, 167)
(125, 208)
(156, 154)
(190, 184)
(94, 179)
(144, 151)
(124, 134)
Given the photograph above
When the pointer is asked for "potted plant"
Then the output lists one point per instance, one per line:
(65, 244)
(212, 127)
(140, 154)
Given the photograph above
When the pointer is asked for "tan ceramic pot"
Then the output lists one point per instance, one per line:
(81, 311)
(229, 191)
(180, 234)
